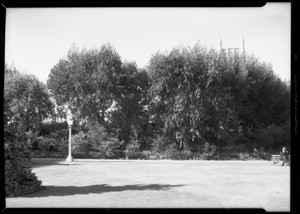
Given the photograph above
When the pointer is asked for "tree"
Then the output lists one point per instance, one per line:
(265, 99)
(26, 104)
(98, 86)
(202, 96)
(85, 80)
(129, 118)
(26, 101)
(187, 103)
(19, 179)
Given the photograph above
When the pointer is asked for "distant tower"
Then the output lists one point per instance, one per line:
(223, 50)
(233, 50)
(243, 46)
(221, 46)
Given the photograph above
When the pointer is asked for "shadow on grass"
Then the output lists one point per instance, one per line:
(94, 189)
(101, 160)
(40, 162)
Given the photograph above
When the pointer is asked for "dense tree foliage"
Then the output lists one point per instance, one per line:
(19, 179)
(199, 97)
(26, 101)
(86, 81)
(98, 86)
(129, 118)
(191, 102)
(191, 99)
(26, 105)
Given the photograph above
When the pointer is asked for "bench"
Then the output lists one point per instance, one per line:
(277, 158)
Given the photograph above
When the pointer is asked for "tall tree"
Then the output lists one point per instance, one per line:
(200, 95)
(129, 117)
(26, 101)
(99, 87)
(185, 101)
(86, 81)
(265, 100)
(26, 104)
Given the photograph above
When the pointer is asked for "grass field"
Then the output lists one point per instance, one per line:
(159, 184)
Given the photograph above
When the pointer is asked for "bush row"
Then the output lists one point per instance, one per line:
(98, 143)
(170, 153)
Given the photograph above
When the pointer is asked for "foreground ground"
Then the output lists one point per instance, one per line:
(163, 184)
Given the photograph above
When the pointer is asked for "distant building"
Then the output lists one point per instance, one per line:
(232, 50)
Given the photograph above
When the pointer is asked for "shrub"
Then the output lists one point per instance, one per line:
(48, 147)
(133, 146)
(82, 150)
(79, 154)
(147, 154)
(261, 155)
(133, 150)
(241, 143)
(136, 155)
(112, 149)
(209, 151)
(96, 143)
(171, 152)
(245, 156)
(273, 137)
(185, 155)
(96, 155)
(227, 156)
(160, 156)
(19, 179)
(159, 144)
(53, 128)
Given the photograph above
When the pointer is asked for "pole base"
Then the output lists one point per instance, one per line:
(69, 159)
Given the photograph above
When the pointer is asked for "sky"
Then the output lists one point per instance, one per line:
(37, 38)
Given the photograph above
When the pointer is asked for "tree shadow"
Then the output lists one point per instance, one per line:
(37, 162)
(56, 164)
(101, 160)
(94, 189)
(40, 162)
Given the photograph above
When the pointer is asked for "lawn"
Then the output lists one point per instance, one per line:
(159, 184)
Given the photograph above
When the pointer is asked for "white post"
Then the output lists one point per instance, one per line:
(70, 158)
(70, 123)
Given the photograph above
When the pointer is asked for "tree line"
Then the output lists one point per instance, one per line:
(191, 102)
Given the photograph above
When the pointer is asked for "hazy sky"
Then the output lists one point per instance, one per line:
(37, 38)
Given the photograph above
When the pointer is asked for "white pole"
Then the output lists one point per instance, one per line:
(70, 158)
